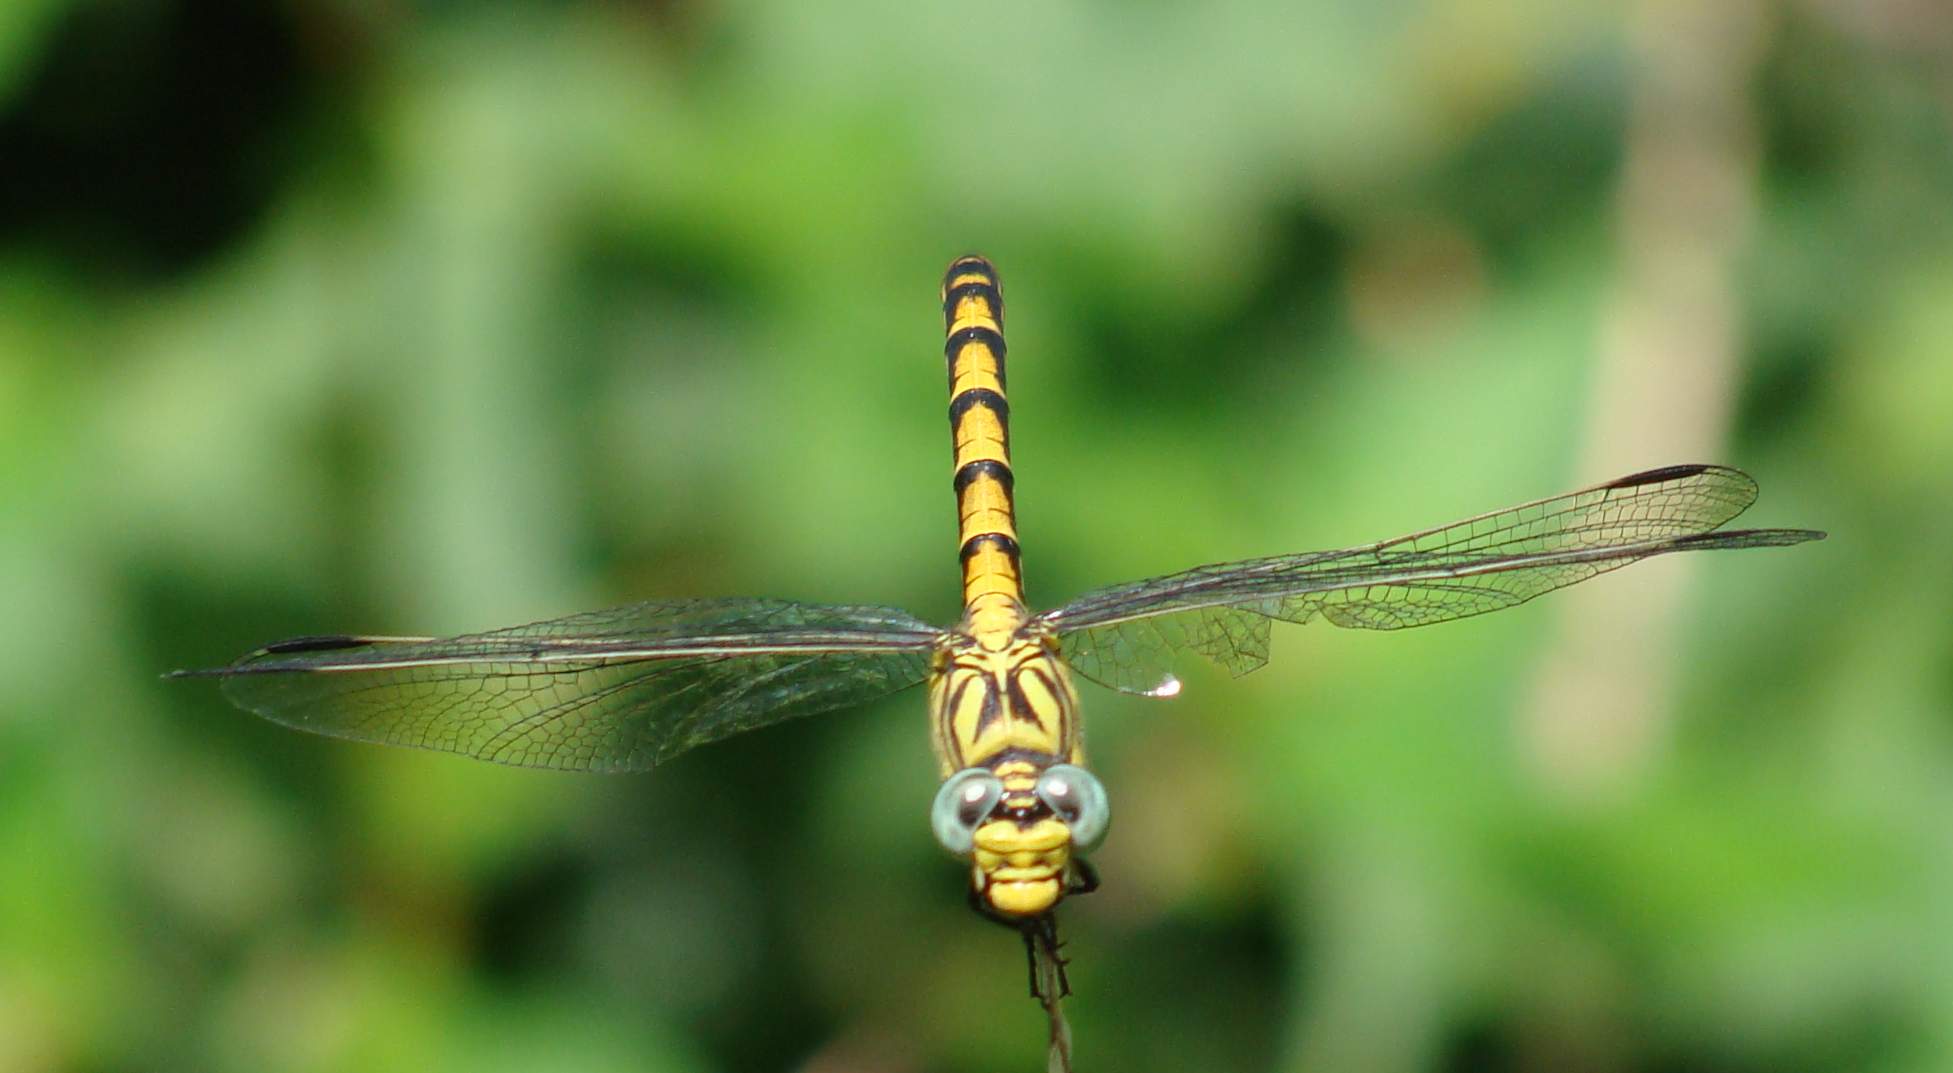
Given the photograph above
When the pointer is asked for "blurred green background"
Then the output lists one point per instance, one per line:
(343, 315)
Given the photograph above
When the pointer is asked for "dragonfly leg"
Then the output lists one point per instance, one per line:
(1031, 960)
(1041, 947)
(1041, 942)
(1084, 878)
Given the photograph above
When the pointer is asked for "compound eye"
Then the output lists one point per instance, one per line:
(1078, 797)
(964, 802)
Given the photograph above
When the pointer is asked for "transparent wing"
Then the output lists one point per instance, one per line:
(1124, 636)
(617, 690)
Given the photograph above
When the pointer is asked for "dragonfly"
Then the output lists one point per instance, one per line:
(631, 688)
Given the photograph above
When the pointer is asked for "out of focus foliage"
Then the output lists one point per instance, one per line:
(329, 315)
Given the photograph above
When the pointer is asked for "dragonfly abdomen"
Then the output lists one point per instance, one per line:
(979, 422)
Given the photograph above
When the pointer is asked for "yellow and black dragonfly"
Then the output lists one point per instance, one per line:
(630, 688)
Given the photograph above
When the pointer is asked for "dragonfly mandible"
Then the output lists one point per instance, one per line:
(630, 688)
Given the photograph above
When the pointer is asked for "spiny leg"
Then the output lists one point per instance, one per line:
(1084, 878)
(1041, 935)
(1042, 948)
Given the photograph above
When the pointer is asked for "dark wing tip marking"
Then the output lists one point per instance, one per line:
(337, 642)
(324, 643)
(1665, 473)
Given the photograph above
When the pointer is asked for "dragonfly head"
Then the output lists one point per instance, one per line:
(1020, 834)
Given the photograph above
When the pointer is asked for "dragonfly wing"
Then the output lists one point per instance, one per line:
(1137, 654)
(1125, 635)
(618, 690)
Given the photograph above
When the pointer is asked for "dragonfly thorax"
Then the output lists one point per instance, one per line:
(994, 694)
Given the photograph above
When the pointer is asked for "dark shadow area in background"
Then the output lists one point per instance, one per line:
(1485, 1044)
(152, 135)
(1134, 356)
(1226, 971)
(1541, 168)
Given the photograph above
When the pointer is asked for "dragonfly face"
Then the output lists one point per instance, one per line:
(1026, 851)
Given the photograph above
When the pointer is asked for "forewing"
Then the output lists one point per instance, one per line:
(1124, 636)
(618, 690)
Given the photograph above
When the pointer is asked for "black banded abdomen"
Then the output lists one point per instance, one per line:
(979, 423)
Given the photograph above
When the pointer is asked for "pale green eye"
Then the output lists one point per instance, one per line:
(964, 802)
(1078, 798)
